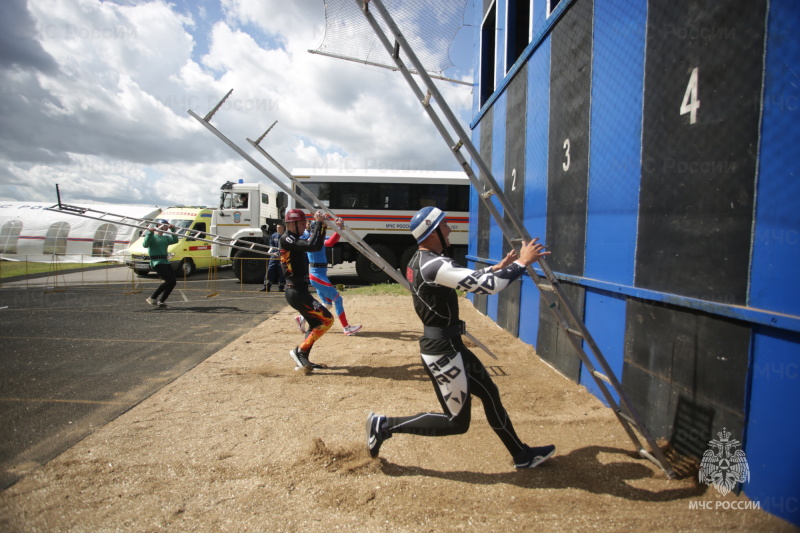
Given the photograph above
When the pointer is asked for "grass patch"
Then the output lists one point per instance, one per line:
(23, 268)
(392, 289)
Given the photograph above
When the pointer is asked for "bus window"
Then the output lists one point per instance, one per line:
(458, 198)
(431, 195)
(321, 190)
(394, 196)
(352, 196)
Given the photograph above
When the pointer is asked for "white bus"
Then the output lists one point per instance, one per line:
(378, 206)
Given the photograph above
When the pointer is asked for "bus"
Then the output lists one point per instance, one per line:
(378, 205)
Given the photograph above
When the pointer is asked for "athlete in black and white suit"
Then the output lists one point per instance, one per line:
(456, 372)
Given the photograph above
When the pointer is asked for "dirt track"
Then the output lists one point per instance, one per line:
(244, 443)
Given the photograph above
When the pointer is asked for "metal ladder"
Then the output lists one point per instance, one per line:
(310, 201)
(143, 224)
(549, 287)
(352, 237)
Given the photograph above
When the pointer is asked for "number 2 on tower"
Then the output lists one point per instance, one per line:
(690, 101)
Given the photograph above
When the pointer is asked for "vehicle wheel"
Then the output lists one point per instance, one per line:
(250, 267)
(141, 272)
(186, 268)
(371, 273)
(408, 253)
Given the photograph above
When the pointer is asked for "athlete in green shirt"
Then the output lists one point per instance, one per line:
(157, 244)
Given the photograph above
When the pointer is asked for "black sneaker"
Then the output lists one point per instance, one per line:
(300, 359)
(533, 457)
(377, 432)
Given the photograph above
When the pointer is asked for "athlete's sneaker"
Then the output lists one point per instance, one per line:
(300, 359)
(162, 305)
(301, 323)
(151, 301)
(377, 432)
(532, 457)
(351, 329)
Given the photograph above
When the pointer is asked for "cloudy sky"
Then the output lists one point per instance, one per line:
(94, 96)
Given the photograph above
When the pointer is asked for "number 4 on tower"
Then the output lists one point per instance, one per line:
(690, 101)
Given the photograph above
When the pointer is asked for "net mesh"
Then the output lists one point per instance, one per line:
(429, 28)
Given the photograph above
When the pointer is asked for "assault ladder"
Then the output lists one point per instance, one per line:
(549, 286)
(309, 200)
(144, 224)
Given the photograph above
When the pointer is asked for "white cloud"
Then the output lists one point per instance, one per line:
(109, 122)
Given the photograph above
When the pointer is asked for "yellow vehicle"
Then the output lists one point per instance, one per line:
(188, 254)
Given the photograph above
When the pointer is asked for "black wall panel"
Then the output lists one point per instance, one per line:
(685, 371)
(552, 342)
(568, 152)
(703, 77)
(514, 188)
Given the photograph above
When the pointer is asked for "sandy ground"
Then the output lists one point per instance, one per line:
(244, 443)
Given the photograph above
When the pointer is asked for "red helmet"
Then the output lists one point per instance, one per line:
(293, 215)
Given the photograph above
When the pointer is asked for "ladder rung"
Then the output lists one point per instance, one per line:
(626, 417)
(575, 332)
(647, 455)
(600, 375)
(546, 287)
(427, 100)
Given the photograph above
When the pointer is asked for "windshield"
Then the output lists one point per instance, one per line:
(180, 224)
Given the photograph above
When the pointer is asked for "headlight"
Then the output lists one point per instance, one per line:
(170, 256)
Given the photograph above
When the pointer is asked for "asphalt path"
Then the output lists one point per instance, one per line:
(78, 350)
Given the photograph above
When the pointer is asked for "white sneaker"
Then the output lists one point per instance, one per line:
(301, 323)
(151, 301)
(351, 329)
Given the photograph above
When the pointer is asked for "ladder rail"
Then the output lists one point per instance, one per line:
(145, 224)
(368, 252)
(494, 190)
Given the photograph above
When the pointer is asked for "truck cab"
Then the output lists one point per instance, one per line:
(248, 212)
(188, 254)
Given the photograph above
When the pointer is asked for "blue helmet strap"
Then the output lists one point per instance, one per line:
(445, 250)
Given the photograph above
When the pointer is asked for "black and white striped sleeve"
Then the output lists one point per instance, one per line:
(443, 271)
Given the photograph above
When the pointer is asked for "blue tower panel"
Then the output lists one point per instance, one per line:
(616, 126)
(498, 168)
(772, 431)
(472, 245)
(605, 320)
(774, 280)
(537, 118)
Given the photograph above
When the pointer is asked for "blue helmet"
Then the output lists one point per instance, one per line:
(425, 221)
